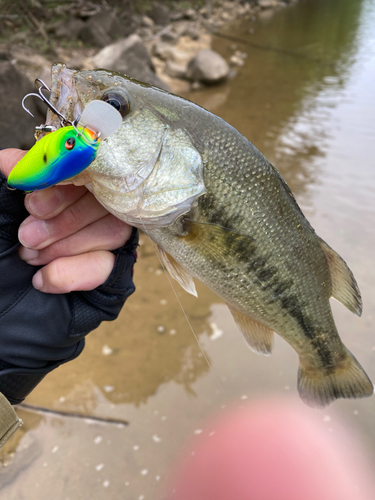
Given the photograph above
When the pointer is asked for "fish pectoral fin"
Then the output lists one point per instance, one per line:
(318, 387)
(344, 285)
(219, 244)
(177, 272)
(258, 337)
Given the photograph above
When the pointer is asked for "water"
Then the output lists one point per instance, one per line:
(311, 114)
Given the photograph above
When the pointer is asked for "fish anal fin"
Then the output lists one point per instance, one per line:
(258, 337)
(344, 285)
(318, 387)
(177, 272)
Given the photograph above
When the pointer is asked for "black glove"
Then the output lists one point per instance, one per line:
(40, 331)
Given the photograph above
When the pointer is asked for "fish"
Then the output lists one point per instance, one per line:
(220, 212)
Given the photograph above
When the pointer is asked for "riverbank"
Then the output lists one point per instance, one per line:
(161, 39)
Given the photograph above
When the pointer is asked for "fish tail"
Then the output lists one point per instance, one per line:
(318, 387)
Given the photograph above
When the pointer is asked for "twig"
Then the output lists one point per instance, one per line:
(38, 25)
(42, 409)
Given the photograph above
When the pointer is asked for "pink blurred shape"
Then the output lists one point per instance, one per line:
(272, 450)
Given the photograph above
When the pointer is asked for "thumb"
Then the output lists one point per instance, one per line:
(9, 158)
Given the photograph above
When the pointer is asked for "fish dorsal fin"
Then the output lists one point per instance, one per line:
(177, 272)
(258, 337)
(344, 285)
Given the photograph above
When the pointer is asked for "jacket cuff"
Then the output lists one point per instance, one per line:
(9, 422)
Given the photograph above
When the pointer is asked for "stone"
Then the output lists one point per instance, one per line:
(130, 57)
(197, 85)
(145, 33)
(159, 14)
(69, 29)
(236, 60)
(191, 30)
(163, 50)
(267, 4)
(179, 29)
(101, 29)
(147, 22)
(94, 35)
(171, 36)
(207, 66)
(190, 14)
(16, 126)
(175, 70)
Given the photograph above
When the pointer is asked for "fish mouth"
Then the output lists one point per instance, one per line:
(64, 96)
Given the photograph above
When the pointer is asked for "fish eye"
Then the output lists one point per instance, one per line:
(118, 101)
(69, 144)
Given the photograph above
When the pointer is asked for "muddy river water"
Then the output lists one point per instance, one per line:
(306, 98)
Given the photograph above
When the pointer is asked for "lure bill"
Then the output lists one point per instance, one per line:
(66, 152)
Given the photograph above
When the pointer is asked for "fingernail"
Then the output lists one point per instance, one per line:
(33, 233)
(28, 254)
(38, 280)
(42, 203)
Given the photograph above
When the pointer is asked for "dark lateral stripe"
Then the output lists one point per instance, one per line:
(292, 305)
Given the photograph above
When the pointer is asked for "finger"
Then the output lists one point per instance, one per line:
(9, 158)
(107, 233)
(81, 272)
(48, 203)
(38, 234)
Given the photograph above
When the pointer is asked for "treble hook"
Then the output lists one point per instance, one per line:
(40, 85)
(43, 98)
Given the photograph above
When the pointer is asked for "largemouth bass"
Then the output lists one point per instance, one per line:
(220, 212)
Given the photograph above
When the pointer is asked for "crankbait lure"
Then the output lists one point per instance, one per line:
(54, 158)
(65, 152)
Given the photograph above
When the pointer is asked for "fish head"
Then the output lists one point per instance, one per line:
(150, 171)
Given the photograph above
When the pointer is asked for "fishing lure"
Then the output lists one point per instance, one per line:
(64, 153)
(55, 157)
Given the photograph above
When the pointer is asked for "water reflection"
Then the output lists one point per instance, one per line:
(275, 89)
(151, 344)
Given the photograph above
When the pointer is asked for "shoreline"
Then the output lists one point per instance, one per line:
(172, 37)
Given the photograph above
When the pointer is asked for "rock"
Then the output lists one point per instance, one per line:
(147, 22)
(208, 67)
(69, 29)
(159, 14)
(197, 86)
(191, 30)
(267, 4)
(145, 33)
(101, 29)
(179, 29)
(238, 58)
(16, 126)
(237, 61)
(175, 70)
(163, 50)
(94, 35)
(171, 36)
(190, 14)
(129, 56)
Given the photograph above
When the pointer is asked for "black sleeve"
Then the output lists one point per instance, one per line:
(40, 331)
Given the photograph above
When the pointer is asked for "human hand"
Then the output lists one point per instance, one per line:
(84, 283)
(69, 233)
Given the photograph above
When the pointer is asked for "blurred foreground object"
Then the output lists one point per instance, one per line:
(271, 450)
